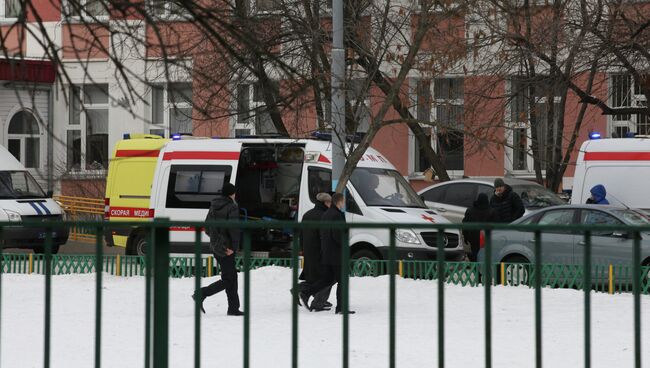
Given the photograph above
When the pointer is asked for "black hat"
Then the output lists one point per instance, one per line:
(228, 190)
(498, 182)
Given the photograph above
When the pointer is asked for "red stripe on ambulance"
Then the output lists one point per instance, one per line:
(137, 153)
(200, 155)
(617, 156)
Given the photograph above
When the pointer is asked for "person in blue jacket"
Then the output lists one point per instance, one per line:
(598, 194)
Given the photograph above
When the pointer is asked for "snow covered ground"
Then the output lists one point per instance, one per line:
(320, 333)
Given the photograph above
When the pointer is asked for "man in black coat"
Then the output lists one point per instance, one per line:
(311, 248)
(332, 244)
(506, 203)
(479, 212)
(224, 244)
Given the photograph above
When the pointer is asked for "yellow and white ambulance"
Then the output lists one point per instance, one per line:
(278, 179)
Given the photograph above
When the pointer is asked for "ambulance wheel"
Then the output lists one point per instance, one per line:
(41, 249)
(137, 245)
(365, 255)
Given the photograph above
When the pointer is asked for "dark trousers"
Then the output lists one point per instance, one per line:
(329, 275)
(228, 282)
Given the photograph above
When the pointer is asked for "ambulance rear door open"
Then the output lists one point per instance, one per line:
(188, 179)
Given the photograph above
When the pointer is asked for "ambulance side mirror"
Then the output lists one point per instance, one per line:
(49, 194)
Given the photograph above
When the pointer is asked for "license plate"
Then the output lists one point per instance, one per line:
(43, 235)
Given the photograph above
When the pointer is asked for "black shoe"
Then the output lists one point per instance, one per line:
(320, 308)
(338, 311)
(235, 313)
(201, 304)
(328, 305)
(305, 299)
(297, 300)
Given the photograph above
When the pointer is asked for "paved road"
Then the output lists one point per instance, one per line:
(74, 247)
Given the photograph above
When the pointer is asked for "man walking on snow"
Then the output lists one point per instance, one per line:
(331, 241)
(224, 244)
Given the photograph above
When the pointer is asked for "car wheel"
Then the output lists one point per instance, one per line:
(137, 246)
(41, 249)
(517, 271)
(365, 255)
(364, 265)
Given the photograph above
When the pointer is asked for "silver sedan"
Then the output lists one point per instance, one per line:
(565, 247)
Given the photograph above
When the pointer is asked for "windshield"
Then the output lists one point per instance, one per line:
(383, 187)
(633, 217)
(19, 184)
(536, 196)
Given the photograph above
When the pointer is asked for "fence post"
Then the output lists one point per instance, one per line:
(161, 297)
(610, 278)
(345, 284)
(198, 297)
(503, 274)
(487, 284)
(48, 294)
(98, 296)
(2, 268)
(636, 285)
(391, 299)
(247, 296)
(31, 263)
(118, 266)
(587, 289)
(294, 300)
(441, 297)
(538, 299)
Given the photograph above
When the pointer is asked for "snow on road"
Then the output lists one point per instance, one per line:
(320, 334)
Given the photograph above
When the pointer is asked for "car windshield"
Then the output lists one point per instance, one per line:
(633, 217)
(19, 184)
(385, 188)
(536, 196)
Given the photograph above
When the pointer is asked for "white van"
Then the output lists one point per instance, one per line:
(278, 179)
(21, 198)
(622, 165)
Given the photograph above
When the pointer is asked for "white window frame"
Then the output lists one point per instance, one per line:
(365, 103)
(167, 107)
(433, 129)
(167, 15)
(85, 17)
(253, 106)
(82, 126)
(510, 126)
(22, 137)
(3, 15)
(632, 124)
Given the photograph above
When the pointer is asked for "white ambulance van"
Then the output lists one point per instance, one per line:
(21, 198)
(278, 179)
(622, 165)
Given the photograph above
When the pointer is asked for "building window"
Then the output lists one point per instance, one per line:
(267, 5)
(10, 9)
(626, 92)
(171, 109)
(442, 98)
(23, 139)
(169, 9)
(253, 116)
(358, 97)
(87, 135)
(542, 93)
(87, 9)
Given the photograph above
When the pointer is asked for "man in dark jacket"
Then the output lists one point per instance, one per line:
(224, 244)
(479, 212)
(506, 203)
(331, 241)
(311, 247)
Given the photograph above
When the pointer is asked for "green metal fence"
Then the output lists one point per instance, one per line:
(157, 267)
